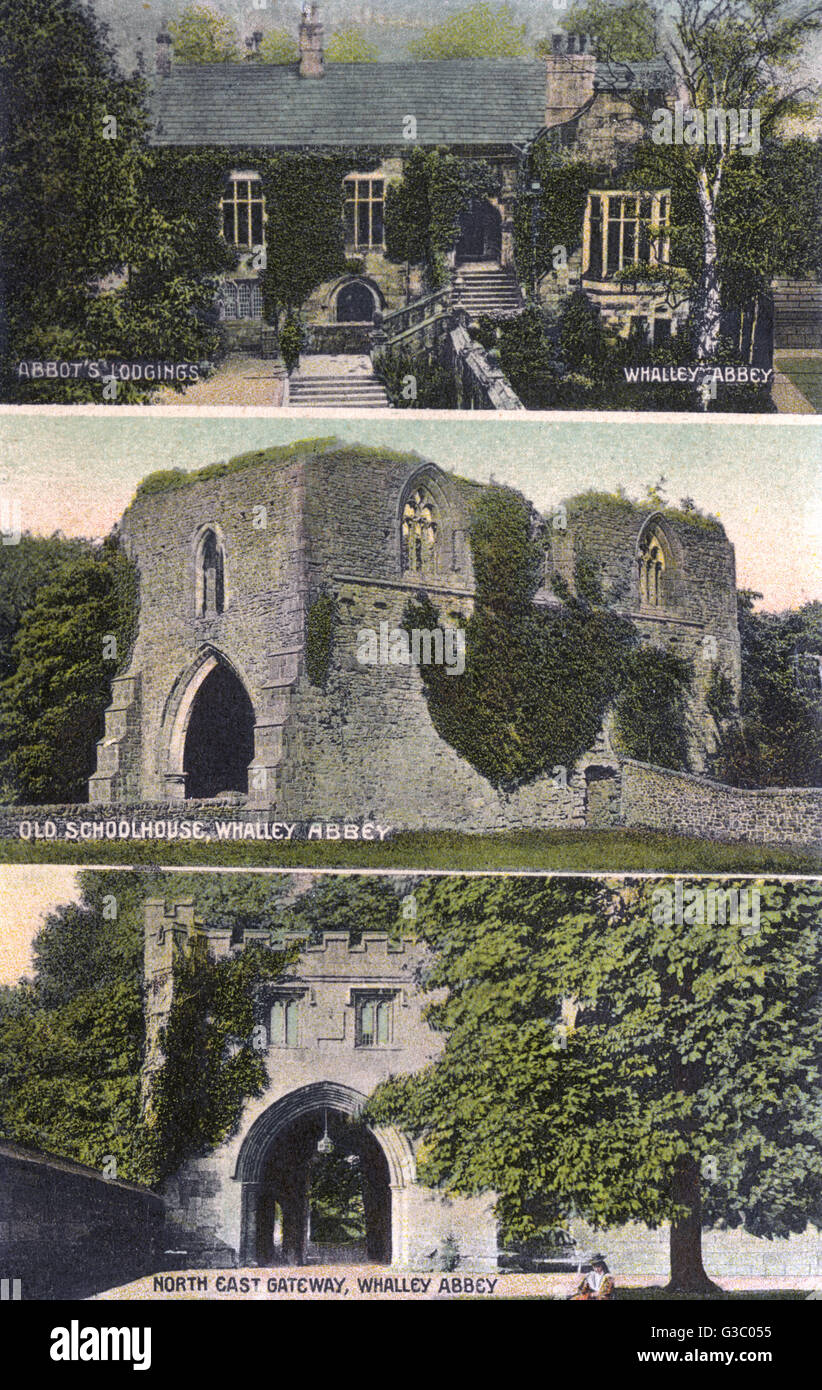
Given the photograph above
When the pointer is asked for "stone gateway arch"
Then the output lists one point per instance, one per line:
(347, 1014)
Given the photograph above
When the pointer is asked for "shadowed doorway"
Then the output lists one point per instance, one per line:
(480, 232)
(220, 738)
(325, 1195)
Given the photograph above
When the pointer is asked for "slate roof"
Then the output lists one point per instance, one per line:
(477, 101)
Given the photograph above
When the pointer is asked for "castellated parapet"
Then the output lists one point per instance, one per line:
(343, 1016)
(217, 704)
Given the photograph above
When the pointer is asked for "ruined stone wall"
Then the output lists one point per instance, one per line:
(696, 618)
(259, 634)
(660, 799)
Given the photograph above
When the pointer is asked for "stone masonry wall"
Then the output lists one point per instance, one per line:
(68, 1232)
(659, 799)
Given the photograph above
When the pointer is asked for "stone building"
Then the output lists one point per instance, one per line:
(330, 1028)
(344, 1016)
(482, 109)
(236, 562)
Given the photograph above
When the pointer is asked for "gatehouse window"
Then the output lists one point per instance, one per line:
(374, 1020)
(623, 228)
(243, 210)
(363, 212)
(210, 575)
(420, 533)
(652, 564)
(284, 1025)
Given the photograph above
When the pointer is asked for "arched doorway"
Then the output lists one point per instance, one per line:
(324, 1196)
(219, 741)
(355, 303)
(319, 1185)
(480, 232)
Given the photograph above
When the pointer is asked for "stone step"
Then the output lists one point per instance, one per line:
(351, 391)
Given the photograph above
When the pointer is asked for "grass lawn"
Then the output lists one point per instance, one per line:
(805, 373)
(593, 851)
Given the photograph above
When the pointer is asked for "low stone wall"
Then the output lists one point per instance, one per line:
(68, 1232)
(481, 382)
(659, 799)
(797, 313)
(634, 1250)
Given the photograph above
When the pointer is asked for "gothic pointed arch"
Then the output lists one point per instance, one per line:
(210, 579)
(208, 729)
(425, 526)
(655, 564)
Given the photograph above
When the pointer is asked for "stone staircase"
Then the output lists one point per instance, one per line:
(345, 382)
(488, 289)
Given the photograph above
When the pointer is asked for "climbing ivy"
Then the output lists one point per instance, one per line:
(650, 713)
(304, 211)
(211, 1066)
(539, 678)
(319, 638)
(422, 210)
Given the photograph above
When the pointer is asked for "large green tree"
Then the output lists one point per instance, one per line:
(734, 56)
(603, 1059)
(91, 267)
(350, 46)
(73, 638)
(479, 31)
(620, 29)
(72, 1038)
(775, 737)
(204, 35)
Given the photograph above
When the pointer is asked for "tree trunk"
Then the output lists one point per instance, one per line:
(688, 1277)
(707, 304)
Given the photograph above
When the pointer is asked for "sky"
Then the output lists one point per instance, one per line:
(28, 892)
(762, 477)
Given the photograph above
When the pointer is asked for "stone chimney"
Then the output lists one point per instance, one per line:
(571, 68)
(312, 63)
(165, 52)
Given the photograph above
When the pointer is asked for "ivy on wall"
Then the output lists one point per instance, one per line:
(538, 678)
(304, 213)
(319, 638)
(422, 210)
(210, 1066)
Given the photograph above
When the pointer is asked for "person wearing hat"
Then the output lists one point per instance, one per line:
(596, 1285)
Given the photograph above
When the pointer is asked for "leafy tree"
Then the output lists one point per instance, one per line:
(737, 55)
(620, 29)
(91, 268)
(480, 31)
(350, 46)
(72, 1039)
(353, 905)
(204, 35)
(527, 356)
(52, 705)
(775, 738)
(603, 1060)
(581, 338)
(24, 569)
(277, 46)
